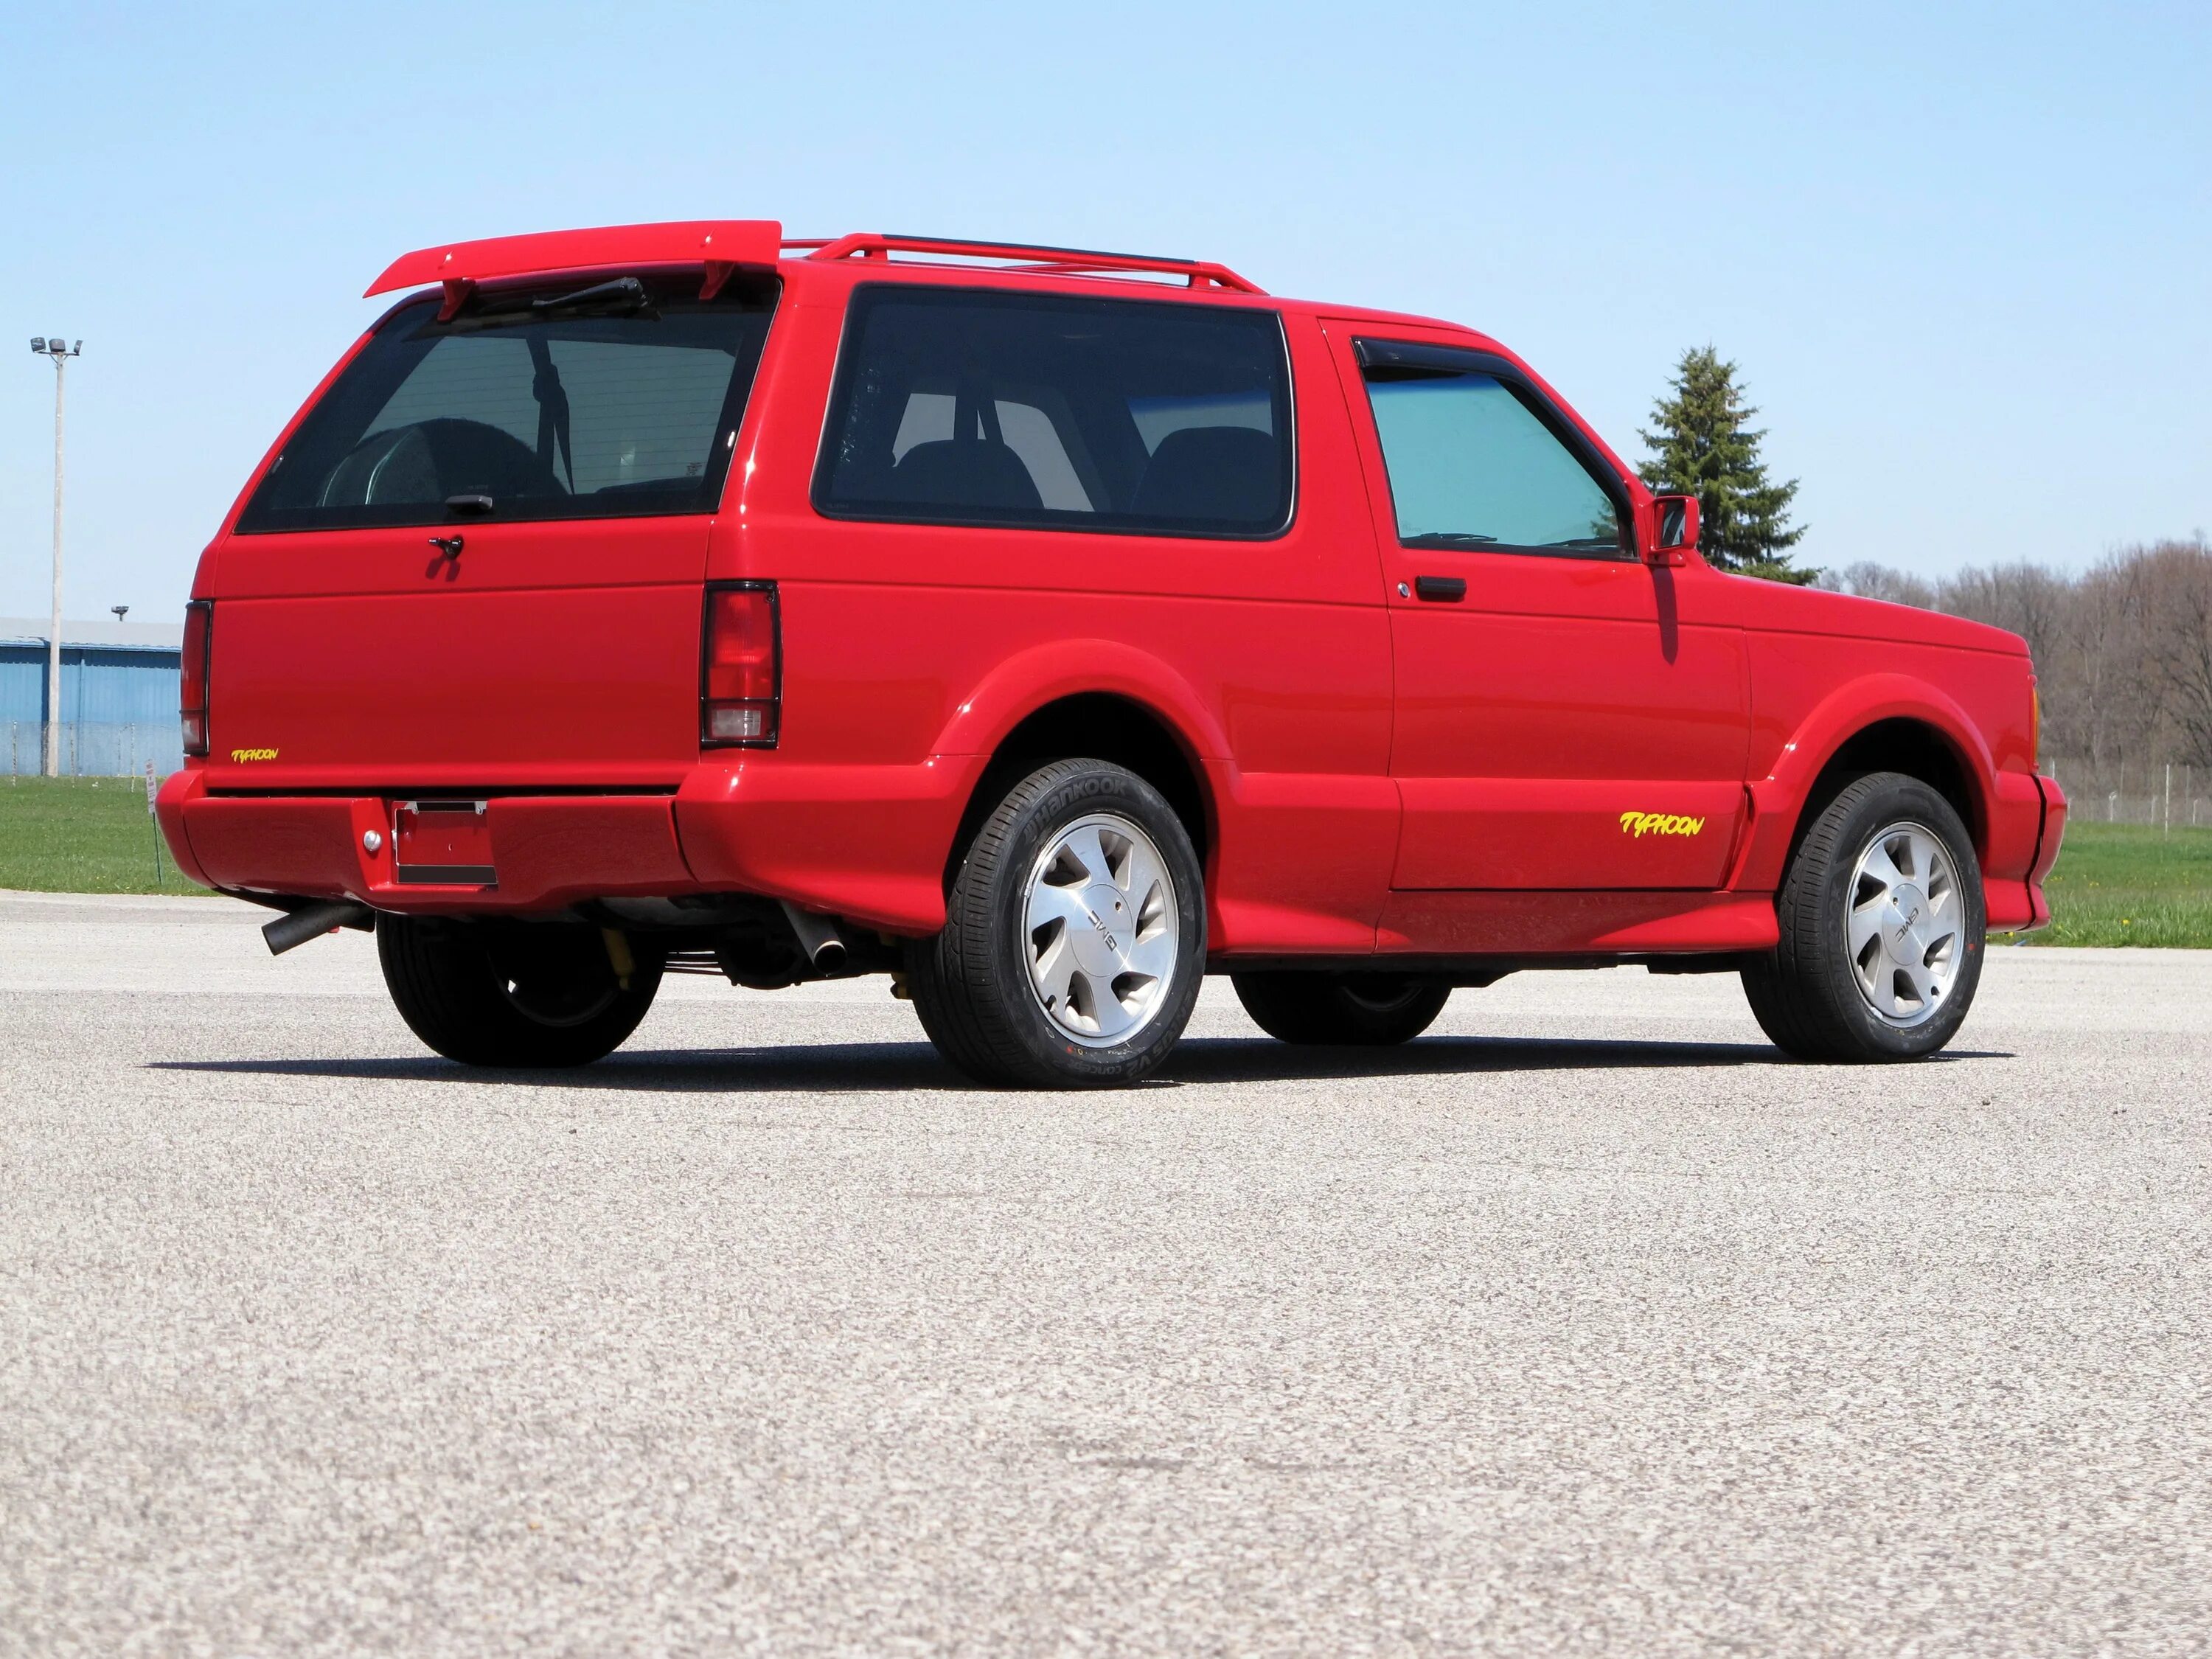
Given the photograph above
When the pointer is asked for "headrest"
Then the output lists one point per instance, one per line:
(973, 472)
(1225, 474)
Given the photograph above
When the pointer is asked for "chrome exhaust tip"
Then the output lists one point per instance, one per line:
(817, 936)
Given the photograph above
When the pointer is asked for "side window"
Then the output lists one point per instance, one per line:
(1049, 411)
(1474, 464)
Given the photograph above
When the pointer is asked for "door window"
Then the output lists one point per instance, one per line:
(1049, 411)
(1474, 463)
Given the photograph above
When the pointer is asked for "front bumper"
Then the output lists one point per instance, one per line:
(2046, 850)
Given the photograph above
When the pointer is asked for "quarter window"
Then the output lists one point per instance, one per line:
(1475, 464)
(1047, 411)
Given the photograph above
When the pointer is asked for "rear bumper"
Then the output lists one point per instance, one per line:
(550, 850)
(867, 842)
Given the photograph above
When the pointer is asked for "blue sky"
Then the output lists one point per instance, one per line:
(1963, 253)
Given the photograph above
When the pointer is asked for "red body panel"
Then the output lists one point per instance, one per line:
(563, 653)
(1509, 776)
(1558, 698)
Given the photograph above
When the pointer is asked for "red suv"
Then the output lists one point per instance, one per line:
(1047, 628)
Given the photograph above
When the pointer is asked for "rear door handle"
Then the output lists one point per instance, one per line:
(1449, 589)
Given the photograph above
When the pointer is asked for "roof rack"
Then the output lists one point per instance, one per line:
(1029, 257)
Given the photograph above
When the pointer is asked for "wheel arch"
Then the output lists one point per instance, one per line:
(1891, 723)
(1100, 698)
(1914, 747)
(1108, 725)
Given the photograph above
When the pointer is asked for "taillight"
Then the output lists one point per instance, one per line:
(192, 675)
(738, 670)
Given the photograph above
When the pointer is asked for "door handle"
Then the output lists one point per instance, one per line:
(1449, 589)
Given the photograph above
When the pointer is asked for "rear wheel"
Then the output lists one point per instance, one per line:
(1074, 936)
(1364, 1010)
(496, 993)
(1881, 928)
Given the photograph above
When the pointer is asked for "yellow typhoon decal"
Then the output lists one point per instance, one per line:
(1640, 824)
(241, 755)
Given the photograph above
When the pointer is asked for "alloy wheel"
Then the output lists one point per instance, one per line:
(1100, 930)
(1902, 926)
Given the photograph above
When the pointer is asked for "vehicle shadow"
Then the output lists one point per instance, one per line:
(895, 1067)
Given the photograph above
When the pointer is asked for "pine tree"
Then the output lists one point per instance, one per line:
(1704, 448)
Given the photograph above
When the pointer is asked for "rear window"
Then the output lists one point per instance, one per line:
(609, 399)
(1047, 411)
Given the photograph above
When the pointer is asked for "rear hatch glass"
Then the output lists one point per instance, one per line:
(477, 562)
(609, 399)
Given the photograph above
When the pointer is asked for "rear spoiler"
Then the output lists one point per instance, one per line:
(720, 245)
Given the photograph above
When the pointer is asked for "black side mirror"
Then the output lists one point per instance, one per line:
(1674, 520)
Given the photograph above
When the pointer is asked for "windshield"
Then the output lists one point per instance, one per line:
(609, 401)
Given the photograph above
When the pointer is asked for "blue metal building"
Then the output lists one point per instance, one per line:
(118, 708)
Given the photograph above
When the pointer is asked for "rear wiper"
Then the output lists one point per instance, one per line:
(625, 296)
(624, 293)
(1448, 538)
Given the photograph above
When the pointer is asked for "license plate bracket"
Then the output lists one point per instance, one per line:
(442, 843)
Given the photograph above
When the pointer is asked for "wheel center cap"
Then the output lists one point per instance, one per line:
(1102, 942)
(1908, 912)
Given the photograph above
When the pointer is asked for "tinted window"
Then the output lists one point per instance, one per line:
(958, 407)
(1474, 464)
(616, 406)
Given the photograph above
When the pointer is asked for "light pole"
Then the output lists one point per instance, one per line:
(61, 352)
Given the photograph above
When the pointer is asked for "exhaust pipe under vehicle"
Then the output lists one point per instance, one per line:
(288, 933)
(817, 936)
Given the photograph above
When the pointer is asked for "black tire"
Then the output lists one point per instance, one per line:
(1364, 1010)
(1807, 995)
(494, 993)
(971, 983)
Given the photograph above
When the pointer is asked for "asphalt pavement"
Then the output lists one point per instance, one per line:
(1583, 1326)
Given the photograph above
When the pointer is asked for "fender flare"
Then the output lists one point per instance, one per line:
(1778, 801)
(1027, 681)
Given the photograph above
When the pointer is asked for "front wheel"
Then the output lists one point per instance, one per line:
(1074, 936)
(1881, 928)
(1364, 1010)
(514, 993)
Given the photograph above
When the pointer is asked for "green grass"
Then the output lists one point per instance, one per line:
(2116, 883)
(82, 835)
(2128, 883)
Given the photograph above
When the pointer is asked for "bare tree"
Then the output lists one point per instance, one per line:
(2178, 583)
(1870, 580)
(2123, 652)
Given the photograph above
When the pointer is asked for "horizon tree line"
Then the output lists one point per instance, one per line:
(2123, 650)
